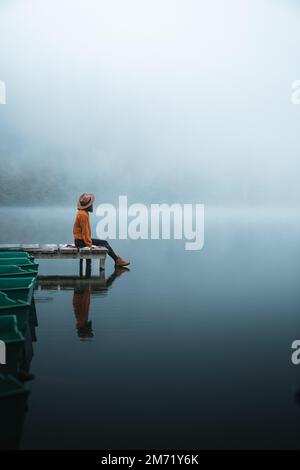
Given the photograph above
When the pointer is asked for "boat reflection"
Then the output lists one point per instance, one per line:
(16, 371)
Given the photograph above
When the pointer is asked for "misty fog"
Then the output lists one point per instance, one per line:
(161, 100)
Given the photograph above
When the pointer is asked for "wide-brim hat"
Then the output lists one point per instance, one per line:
(85, 200)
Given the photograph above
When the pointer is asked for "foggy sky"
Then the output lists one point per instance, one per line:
(161, 100)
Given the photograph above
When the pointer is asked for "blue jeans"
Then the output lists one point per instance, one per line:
(98, 242)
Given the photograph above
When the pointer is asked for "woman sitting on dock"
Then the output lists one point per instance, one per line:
(82, 229)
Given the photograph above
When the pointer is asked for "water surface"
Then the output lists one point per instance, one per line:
(187, 350)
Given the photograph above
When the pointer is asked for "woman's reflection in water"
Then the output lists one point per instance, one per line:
(81, 305)
(82, 300)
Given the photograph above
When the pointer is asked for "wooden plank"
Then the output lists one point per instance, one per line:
(78, 255)
(56, 251)
(67, 250)
(30, 246)
(49, 248)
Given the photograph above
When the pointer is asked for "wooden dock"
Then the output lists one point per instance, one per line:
(52, 251)
(95, 283)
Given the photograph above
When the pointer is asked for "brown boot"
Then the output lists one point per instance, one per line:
(121, 262)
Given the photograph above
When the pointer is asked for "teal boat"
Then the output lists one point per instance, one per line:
(10, 247)
(16, 254)
(14, 342)
(22, 262)
(18, 288)
(17, 271)
(10, 387)
(19, 308)
(13, 406)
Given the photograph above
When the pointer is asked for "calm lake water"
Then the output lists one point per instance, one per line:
(187, 350)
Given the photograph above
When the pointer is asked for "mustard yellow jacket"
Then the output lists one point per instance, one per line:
(82, 227)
